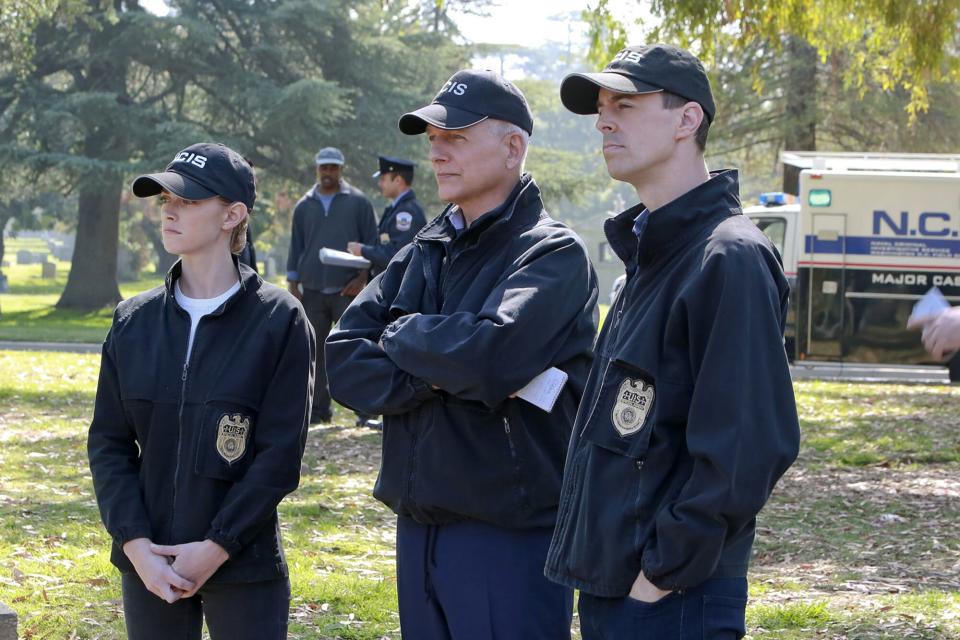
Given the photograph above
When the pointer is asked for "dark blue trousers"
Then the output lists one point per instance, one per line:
(713, 610)
(240, 611)
(473, 581)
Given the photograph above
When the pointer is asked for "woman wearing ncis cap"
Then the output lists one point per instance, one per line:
(200, 418)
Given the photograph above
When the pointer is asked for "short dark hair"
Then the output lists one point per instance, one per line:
(673, 101)
(407, 176)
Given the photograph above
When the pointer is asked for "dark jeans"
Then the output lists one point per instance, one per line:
(235, 611)
(474, 581)
(713, 610)
(323, 311)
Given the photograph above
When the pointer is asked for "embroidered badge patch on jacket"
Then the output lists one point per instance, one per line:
(634, 400)
(404, 221)
(232, 433)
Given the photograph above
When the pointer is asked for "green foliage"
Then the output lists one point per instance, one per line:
(95, 92)
(892, 43)
(607, 34)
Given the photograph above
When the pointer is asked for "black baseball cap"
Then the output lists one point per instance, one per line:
(468, 97)
(641, 69)
(202, 171)
(393, 165)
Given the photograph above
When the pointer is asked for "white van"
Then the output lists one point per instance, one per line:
(867, 236)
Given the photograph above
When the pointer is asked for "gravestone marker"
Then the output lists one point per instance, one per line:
(8, 623)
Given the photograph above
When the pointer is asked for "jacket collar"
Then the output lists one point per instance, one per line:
(523, 203)
(406, 195)
(345, 187)
(249, 281)
(676, 221)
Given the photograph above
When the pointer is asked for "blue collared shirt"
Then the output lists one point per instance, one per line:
(399, 197)
(640, 222)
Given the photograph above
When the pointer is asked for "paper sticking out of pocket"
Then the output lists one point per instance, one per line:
(544, 390)
(931, 304)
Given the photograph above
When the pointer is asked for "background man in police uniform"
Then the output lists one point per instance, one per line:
(402, 218)
(332, 214)
(489, 295)
(688, 418)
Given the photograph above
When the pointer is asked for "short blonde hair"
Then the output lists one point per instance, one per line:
(238, 237)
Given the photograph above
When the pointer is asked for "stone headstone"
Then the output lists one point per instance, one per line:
(8, 623)
(24, 257)
(49, 271)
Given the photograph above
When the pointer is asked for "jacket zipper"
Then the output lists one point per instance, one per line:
(516, 463)
(183, 395)
(606, 367)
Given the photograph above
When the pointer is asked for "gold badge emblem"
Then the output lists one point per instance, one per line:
(384, 238)
(232, 435)
(634, 400)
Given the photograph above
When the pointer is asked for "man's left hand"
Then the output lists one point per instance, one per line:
(195, 561)
(355, 286)
(355, 248)
(645, 591)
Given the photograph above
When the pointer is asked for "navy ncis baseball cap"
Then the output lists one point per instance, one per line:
(468, 97)
(641, 69)
(392, 165)
(201, 171)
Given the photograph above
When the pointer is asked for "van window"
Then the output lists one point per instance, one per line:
(774, 228)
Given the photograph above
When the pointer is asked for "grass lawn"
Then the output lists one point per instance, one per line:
(27, 310)
(860, 540)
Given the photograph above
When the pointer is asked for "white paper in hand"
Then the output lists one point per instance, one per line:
(544, 390)
(931, 304)
(336, 258)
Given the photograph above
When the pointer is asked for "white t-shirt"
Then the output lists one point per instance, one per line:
(199, 307)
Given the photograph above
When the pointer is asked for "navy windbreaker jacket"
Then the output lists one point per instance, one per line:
(688, 418)
(182, 452)
(398, 226)
(440, 340)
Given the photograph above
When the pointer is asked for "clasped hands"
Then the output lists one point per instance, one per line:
(177, 571)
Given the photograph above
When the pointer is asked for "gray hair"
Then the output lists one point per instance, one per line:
(506, 128)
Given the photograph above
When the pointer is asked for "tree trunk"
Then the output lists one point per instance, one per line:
(801, 100)
(151, 228)
(4, 218)
(92, 283)
(801, 133)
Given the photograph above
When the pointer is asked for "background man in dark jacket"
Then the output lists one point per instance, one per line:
(688, 418)
(487, 296)
(401, 219)
(331, 215)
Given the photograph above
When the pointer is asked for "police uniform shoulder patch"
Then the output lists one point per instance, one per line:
(404, 221)
(233, 430)
(634, 401)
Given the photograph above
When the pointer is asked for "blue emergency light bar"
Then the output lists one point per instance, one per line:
(773, 198)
